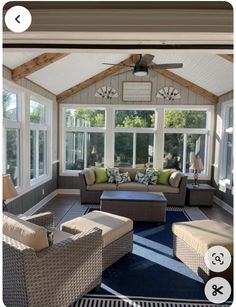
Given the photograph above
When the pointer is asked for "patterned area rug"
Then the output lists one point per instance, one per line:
(150, 276)
(106, 301)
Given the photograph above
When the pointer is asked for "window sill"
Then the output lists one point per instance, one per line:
(37, 182)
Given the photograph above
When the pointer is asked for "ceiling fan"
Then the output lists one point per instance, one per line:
(141, 67)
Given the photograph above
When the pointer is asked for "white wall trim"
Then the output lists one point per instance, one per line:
(223, 205)
(68, 191)
(41, 203)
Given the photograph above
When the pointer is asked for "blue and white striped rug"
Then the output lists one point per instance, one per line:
(106, 301)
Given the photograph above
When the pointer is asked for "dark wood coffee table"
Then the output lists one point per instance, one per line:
(138, 206)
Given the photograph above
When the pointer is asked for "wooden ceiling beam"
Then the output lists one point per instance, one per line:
(98, 77)
(228, 57)
(35, 64)
(188, 84)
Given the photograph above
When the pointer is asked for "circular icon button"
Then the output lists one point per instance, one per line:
(217, 258)
(18, 19)
(217, 290)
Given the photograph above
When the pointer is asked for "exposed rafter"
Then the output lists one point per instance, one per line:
(35, 64)
(228, 57)
(188, 84)
(100, 76)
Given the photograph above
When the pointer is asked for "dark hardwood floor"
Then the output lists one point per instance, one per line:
(67, 207)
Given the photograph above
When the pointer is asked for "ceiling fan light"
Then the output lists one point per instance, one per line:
(140, 71)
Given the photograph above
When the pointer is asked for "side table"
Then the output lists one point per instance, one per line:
(201, 195)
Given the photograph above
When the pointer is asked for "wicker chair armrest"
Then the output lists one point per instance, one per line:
(44, 219)
(82, 242)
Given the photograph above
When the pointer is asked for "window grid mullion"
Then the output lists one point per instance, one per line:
(134, 149)
(184, 153)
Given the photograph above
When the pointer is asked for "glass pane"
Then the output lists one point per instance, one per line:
(134, 119)
(32, 154)
(42, 152)
(195, 149)
(37, 112)
(144, 149)
(185, 119)
(9, 105)
(13, 155)
(74, 150)
(85, 118)
(123, 149)
(229, 166)
(173, 151)
(230, 117)
(95, 149)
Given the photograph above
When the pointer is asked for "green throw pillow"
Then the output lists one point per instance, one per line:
(164, 176)
(101, 175)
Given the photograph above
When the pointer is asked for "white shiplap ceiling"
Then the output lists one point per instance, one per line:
(209, 71)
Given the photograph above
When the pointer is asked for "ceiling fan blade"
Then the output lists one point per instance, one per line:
(118, 64)
(146, 59)
(166, 66)
(121, 73)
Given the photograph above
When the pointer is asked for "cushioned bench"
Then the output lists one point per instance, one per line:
(193, 239)
(117, 233)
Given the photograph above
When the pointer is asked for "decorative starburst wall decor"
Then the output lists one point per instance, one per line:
(169, 93)
(106, 92)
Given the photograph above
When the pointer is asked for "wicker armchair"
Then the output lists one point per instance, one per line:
(55, 276)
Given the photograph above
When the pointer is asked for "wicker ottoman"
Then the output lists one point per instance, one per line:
(191, 240)
(117, 233)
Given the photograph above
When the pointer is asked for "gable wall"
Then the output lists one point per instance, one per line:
(86, 96)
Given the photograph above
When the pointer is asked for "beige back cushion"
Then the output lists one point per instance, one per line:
(175, 179)
(89, 176)
(131, 171)
(25, 232)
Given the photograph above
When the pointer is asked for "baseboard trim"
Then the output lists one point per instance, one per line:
(68, 191)
(223, 205)
(41, 203)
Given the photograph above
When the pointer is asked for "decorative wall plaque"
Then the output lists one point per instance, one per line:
(137, 91)
(106, 92)
(169, 93)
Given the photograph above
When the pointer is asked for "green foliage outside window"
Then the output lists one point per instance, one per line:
(134, 119)
(185, 119)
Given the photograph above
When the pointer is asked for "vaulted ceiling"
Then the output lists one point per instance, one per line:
(58, 73)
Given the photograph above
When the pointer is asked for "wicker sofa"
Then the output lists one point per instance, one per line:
(57, 275)
(91, 193)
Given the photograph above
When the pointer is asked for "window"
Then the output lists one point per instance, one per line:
(38, 139)
(185, 139)
(11, 136)
(227, 144)
(134, 137)
(84, 138)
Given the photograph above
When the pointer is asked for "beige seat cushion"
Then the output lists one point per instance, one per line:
(102, 187)
(162, 188)
(89, 176)
(203, 234)
(175, 179)
(132, 186)
(113, 226)
(25, 232)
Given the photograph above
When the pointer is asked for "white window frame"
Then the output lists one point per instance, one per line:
(208, 132)
(24, 113)
(13, 124)
(158, 132)
(134, 130)
(40, 127)
(85, 130)
(223, 181)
